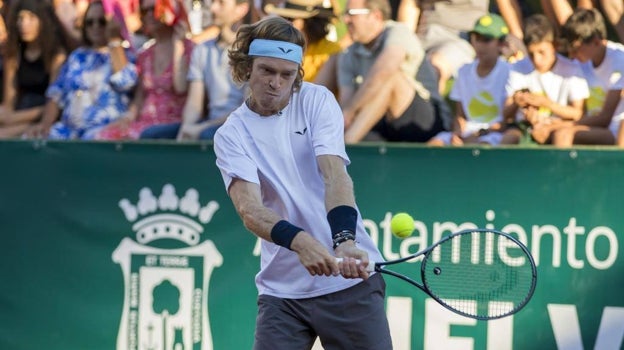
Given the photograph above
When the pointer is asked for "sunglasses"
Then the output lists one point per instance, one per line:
(91, 21)
(356, 12)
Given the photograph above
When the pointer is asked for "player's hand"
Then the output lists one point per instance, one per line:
(349, 268)
(314, 256)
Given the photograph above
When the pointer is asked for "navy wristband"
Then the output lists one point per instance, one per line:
(283, 233)
(342, 218)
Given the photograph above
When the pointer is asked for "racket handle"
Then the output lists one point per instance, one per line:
(370, 267)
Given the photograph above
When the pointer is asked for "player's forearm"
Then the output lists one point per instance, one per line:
(339, 192)
(338, 183)
(256, 217)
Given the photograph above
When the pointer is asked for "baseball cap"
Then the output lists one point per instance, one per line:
(491, 25)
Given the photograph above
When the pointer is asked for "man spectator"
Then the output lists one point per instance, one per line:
(379, 94)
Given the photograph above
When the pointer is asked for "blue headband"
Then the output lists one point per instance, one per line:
(277, 49)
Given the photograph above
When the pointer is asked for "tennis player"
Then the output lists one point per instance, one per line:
(282, 157)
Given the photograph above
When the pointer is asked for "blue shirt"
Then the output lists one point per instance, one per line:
(89, 94)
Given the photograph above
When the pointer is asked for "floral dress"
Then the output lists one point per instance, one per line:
(161, 103)
(89, 94)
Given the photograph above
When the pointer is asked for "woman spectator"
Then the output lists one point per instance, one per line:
(33, 54)
(162, 88)
(94, 86)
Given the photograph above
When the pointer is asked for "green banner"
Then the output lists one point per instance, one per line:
(137, 246)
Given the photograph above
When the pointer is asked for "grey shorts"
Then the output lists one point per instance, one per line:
(354, 318)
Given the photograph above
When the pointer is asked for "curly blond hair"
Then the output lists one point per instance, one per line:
(271, 28)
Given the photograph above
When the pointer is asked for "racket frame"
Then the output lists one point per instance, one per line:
(380, 267)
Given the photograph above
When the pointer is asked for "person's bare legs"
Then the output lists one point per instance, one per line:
(557, 11)
(511, 137)
(582, 135)
(614, 11)
(13, 131)
(443, 68)
(394, 97)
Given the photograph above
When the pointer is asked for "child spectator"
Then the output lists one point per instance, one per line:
(479, 90)
(603, 67)
(162, 88)
(545, 90)
(34, 52)
(94, 86)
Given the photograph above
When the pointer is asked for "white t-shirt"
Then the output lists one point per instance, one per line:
(279, 153)
(562, 84)
(482, 98)
(609, 75)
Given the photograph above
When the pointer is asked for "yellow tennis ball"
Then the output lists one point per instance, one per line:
(402, 225)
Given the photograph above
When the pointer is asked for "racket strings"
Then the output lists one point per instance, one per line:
(472, 274)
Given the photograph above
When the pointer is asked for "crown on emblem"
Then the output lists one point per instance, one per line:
(168, 216)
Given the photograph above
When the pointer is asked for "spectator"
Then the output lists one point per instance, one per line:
(314, 21)
(546, 90)
(559, 10)
(479, 90)
(257, 7)
(94, 86)
(443, 29)
(162, 86)
(379, 95)
(603, 65)
(212, 92)
(69, 13)
(200, 20)
(282, 158)
(34, 53)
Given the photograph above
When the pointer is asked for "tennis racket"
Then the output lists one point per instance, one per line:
(479, 273)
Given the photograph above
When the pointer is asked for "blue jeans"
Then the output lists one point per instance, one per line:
(170, 131)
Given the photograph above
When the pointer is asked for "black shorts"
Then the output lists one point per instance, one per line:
(353, 318)
(421, 121)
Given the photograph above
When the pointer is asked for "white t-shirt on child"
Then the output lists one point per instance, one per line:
(562, 84)
(482, 98)
(609, 75)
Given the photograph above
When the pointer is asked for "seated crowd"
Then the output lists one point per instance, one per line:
(442, 73)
